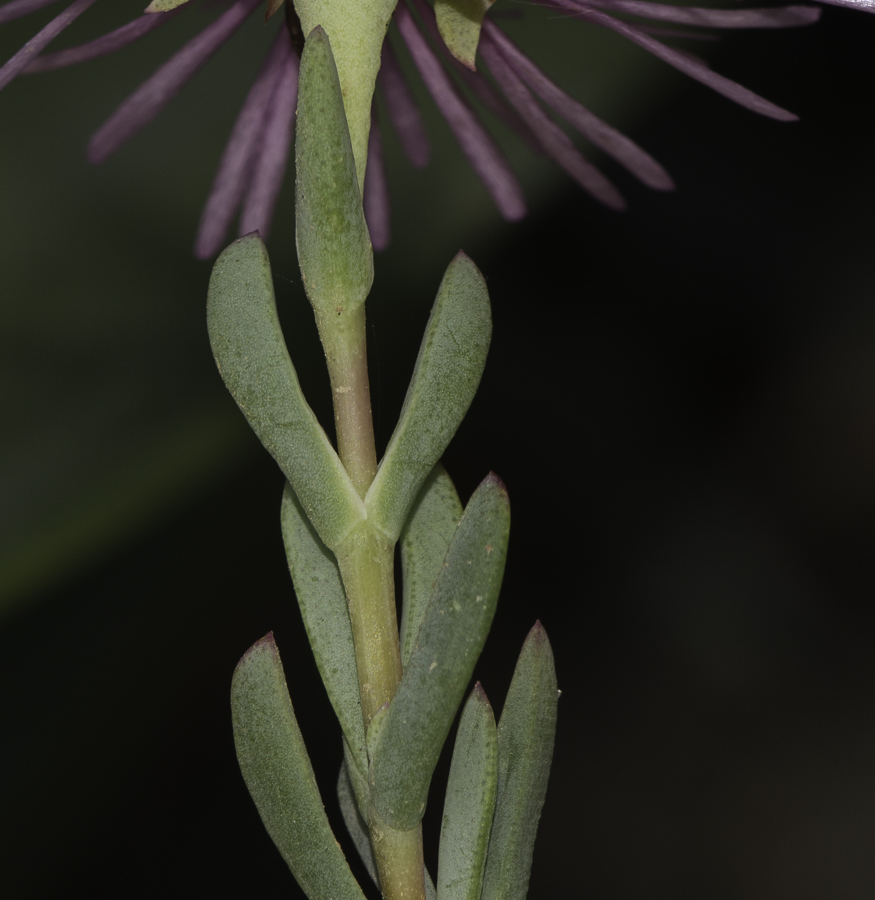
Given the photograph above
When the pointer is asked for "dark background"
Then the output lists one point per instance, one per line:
(681, 400)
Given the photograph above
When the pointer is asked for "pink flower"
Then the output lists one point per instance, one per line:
(251, 171)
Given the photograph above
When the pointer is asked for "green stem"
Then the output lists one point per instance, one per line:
(367, 568)
(344, 340)
(399, 861)
(366, 563)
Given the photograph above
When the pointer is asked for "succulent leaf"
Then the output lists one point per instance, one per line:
(459, 22)
(251, 354)
(357, 29)
(334, 248)
(447, 372)
(424, 543)
(279, 776)
(526, 732)
(322, 601)
(448, 644)
(470, 802)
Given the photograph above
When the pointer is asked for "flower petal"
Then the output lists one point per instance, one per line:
(36, 44)
(478, 86)
(402, 109)
(376, 193)
(105, 44)
(482, 152)
(18, 8)
(685, 63)
(862, 5)
(775, 17)
(272, 153)
(235, 168)
(157, 91)
(599, 133)
(555, 142)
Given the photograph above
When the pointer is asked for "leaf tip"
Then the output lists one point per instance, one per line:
(318, 35)
(479, 695)
(267, 643)
(538, 634)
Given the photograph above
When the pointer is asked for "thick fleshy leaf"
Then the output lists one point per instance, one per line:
(445, 379)
(334, 248)
(279, 776)
(251, 354)
(357, 31)
(322, 600)
(160, 6)
(10, 69)
(526, 732)
(426, 537)
(459, 23)
(483, 154)
(469, 803)
(449, 642)
(355, 824)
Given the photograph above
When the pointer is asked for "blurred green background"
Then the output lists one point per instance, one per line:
(681, 400)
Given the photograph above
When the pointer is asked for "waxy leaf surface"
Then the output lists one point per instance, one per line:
(448, 644)
(425, 540)
(469, 803)
(322, 601)
(280, 779)
(355, 823)
(526, 732)
(459, 23)
(157, 6)
(251, 354)
(334, 248)
(445, 379)
(357, 30)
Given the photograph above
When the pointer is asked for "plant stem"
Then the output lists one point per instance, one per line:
(345, 344)
(366, 563)
(399, 861)
(367, 568)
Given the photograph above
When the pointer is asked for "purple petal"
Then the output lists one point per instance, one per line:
(683, 62)
(107, 43)
(478, 86)
(776, 17)
(599, 133)
(482, 153)
(36, 44)
(555, 142)
(402, 109)
(863, 5)
(158, 90)
(236, 166)
(376, 192)
(18, 8)
(272, 154)
(681, 34)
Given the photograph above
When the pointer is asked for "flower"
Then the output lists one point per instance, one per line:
(256, 156)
